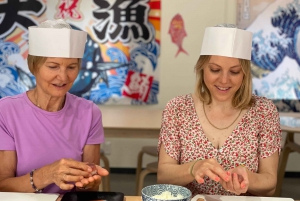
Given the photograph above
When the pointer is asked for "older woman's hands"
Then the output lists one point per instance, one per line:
(93, 181)
(239, 182)
(65, 172)
(210, 168)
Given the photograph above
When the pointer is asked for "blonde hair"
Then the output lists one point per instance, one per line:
(35, 62)
(242, 98)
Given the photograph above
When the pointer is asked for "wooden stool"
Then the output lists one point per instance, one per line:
(289, 147)
(105, 184)
(150, 168)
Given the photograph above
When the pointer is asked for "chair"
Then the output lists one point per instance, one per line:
(150, 168)
(289, 146)
(105, 184)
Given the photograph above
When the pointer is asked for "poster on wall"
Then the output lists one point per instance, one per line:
(120, 63)
(275, 25)
(178, 33)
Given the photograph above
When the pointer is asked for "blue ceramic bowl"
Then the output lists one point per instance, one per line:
(149, 191)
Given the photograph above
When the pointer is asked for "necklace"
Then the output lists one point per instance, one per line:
(36, 101)
(217, 127)
(38, 105)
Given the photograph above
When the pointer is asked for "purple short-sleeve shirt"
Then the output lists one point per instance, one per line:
(41, 138)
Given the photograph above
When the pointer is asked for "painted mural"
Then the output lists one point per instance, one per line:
(275, 25)
(177, 33)
(120, 64)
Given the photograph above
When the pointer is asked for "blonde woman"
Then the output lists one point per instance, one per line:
(221, 139)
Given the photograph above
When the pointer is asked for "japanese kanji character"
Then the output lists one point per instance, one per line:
(15, 13)
(124, 20)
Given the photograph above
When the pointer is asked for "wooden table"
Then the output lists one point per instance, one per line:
(288, 147)
(134, 122)
(133, 198)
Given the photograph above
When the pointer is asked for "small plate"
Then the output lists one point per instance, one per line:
(238, 198)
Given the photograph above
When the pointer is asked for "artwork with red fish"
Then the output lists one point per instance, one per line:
(177, 32)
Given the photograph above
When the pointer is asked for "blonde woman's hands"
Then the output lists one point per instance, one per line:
(92, 181)
(210, 168)
(239, 182)
(65, 172)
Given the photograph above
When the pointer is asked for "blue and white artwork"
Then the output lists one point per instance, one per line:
(276, 53)
(15, 77)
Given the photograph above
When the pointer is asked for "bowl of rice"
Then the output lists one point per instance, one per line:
(166, 192)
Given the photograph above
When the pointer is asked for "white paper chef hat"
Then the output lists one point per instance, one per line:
(56, 38)
(227, 40)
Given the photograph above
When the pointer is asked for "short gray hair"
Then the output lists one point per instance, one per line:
(57, 24)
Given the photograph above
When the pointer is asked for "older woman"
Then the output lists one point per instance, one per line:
(48, 136)
(222, 139)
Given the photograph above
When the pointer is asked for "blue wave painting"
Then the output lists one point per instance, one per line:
(276, 54)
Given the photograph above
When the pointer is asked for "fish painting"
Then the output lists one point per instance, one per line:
(177, 32)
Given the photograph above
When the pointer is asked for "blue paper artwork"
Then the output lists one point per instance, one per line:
(276, 54)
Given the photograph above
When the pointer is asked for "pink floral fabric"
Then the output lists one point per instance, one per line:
(256, 136)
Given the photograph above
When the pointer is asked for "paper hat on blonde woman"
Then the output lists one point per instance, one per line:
(56, 38)
(228, 42)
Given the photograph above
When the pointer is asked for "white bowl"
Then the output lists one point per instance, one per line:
(149, 192)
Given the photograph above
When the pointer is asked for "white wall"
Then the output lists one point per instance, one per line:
(177, 74)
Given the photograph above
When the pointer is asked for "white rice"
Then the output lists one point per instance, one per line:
(166, 195)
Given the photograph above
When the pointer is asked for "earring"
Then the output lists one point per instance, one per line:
(202, 89)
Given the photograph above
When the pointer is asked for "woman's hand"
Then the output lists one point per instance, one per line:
(239, 182)
(93, 181)
(210, 168)
(65, 172)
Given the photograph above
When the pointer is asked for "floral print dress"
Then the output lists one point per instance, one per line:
(257, 135)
